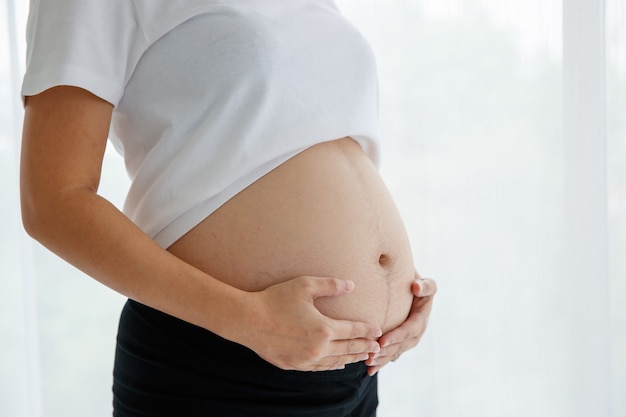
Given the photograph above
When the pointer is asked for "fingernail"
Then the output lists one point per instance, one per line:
(378, 333)
(349, 285)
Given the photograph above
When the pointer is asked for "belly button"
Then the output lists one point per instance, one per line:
(384, 260)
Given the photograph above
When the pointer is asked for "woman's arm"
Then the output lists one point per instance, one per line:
(65, 134)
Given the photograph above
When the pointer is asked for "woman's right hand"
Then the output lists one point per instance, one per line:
(289, 332)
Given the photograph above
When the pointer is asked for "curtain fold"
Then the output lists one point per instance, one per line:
(504, 128)
(585, 214)
(616, 183)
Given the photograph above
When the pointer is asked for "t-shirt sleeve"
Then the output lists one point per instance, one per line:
(92, 44)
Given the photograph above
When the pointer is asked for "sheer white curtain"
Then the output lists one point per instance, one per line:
(505, 129)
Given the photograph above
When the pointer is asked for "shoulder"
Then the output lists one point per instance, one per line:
(92, 44)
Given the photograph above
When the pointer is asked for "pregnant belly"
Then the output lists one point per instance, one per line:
(324, 212)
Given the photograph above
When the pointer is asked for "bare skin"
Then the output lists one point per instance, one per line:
(324, 212)
(65, 133)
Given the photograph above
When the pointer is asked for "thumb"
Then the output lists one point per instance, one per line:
(424, 287)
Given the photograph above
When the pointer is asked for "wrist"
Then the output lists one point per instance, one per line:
(238, 319)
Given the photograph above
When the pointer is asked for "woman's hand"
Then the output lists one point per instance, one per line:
(289, 332)
(397, 341)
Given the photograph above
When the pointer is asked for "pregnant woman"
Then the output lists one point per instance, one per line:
(267, 269)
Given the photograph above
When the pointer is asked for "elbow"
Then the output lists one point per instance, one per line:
(47, 216)
(41, 207)
(31, 217)
(37, 213)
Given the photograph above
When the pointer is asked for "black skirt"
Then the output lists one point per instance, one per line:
(168, 367)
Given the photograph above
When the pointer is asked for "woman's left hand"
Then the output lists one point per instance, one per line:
(406, 336)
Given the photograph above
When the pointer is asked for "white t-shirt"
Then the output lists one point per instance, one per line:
(209, 95)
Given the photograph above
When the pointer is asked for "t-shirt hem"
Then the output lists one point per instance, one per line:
(191, 218)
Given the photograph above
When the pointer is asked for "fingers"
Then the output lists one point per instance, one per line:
(424, 287)
(374, 367)
(349, 351)
(340, 362)
(354, 346)
(406, 336)
(395, 343)
(352, 342)
(350, 330)
(344, 342)
(334, 355)
(317, 287)
(392, 352)
(323, 355)
(389, 354)
(373, 370)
